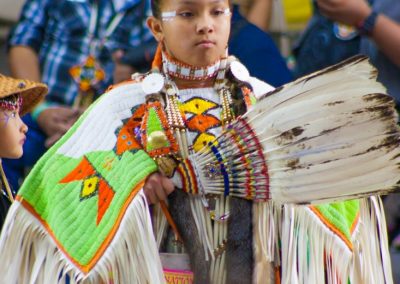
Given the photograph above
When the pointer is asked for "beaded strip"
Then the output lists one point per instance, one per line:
(226, 101)
(188, 174)
(222, 163)
(261, 178)
(11, 103)
(248, 178)
(175, 119)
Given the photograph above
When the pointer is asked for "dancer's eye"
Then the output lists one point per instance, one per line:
(186, 14)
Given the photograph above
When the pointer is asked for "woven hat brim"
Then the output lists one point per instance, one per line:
(31, 92)
(32, 96)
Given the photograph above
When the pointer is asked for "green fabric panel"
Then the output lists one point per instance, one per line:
(341, 215)
(73, 221)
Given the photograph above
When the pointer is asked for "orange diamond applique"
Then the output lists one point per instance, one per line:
(93, 184)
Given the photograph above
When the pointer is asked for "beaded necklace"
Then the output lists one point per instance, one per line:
(180, 70)
(218, 70)
(175, 119)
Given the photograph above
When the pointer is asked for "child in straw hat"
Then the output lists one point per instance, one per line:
(17, 97)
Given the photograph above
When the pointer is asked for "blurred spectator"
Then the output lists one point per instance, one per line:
(282, 19)
(54, 36)
(256, 50)
(271, 15)
(323, 43)
(379, 25)
(351, 27)
(258, 12)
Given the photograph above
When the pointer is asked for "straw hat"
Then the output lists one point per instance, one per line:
(32, 92)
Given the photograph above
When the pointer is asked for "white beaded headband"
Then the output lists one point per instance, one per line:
(169, 16)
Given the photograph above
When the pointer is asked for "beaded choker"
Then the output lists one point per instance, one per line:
(180, 70)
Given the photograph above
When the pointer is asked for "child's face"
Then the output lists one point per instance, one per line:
(198, 33)
(12, 134)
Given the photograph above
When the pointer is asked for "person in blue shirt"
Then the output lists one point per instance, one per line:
(54, 36)
(378, 24)
(257, 51)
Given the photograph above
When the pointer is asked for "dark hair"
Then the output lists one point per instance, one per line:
(155, 8)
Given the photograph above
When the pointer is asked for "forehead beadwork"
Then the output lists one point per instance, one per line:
(170, 15)
(11, 103)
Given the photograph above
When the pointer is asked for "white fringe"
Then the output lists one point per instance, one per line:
(266, 232)
(159, 224)
(307, 245)
(203, 226)
(29, 255)
(266, 219)
(312, 254)
(212, 235)
(372, 260)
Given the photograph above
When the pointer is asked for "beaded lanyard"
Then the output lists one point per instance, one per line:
(89, 73)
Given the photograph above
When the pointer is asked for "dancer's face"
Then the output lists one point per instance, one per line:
(195, 32)
(12, 134)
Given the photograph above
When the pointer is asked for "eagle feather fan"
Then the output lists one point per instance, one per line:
(329, 136)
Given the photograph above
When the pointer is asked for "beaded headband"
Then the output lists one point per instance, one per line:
(170, 15)
(11, 103)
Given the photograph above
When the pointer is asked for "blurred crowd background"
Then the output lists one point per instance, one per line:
(284, 23)
(9, 13)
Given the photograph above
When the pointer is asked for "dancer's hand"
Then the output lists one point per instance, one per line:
(157, 188)
(56, 121)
